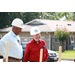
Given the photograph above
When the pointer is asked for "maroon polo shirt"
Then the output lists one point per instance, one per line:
(32, 51)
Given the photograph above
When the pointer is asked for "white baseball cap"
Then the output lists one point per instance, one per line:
(34, 31)
(18, 23)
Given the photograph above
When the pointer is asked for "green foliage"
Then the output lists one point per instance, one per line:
(74, 16)
(58, 15)
(7, 17)
(3, 19)
(28, 16)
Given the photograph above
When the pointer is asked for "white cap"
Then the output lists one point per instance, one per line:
(34, 31)
(18, 23)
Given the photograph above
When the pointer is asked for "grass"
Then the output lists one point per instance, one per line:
(68, 54)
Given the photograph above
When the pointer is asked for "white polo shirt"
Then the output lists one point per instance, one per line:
(15, 49)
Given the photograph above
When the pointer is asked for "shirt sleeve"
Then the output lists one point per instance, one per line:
(46, 52)
(3, 45)
(26, 54)
(47, 55)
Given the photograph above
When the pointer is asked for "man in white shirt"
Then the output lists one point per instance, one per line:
(15, 49)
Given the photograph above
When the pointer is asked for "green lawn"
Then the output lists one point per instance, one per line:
(68, 54)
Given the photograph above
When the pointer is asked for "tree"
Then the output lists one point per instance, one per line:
(58, 15)
(12, 16)
(74, 16)
(28, 16)
(7, 17)
(3, 19)
(62, 34)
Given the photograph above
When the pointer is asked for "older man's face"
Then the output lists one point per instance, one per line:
(36, 37)
(17, 30)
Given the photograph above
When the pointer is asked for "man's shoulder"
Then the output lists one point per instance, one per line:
(29, 42)
(42, 40)
(6, 36)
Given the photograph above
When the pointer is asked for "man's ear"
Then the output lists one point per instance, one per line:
(13, 29)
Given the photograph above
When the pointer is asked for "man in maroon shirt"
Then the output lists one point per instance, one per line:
(32, 51)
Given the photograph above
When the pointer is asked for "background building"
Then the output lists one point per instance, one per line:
(47, 28)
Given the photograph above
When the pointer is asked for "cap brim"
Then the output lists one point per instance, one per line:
(35, 33)
(19, 26)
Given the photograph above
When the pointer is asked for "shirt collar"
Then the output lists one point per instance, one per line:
(13, 34)
(35, 41)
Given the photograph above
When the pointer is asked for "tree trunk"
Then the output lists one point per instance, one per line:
(62, 44)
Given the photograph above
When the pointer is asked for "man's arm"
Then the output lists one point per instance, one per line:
(2, 49)
(47, 55)
(46, 52)
(26, 54)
